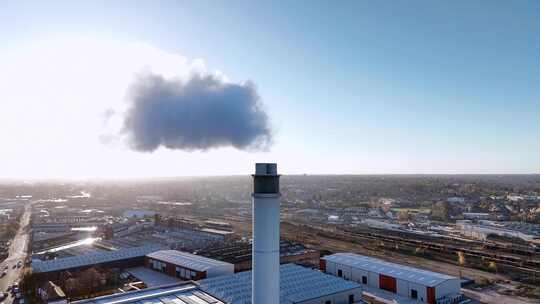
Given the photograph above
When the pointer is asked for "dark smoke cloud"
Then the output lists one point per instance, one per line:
(198, 114)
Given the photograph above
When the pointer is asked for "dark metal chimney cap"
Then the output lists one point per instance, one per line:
(265, 169)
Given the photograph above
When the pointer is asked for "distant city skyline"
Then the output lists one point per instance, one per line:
(355, 87)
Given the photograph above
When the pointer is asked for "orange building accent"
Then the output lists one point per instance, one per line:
(322, 265)
(430, 295)
(387, 283)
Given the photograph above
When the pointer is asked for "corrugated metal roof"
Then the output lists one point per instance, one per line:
(297, 284)
(183, 293)
(188, 260)
(93, 258)
(415, 275)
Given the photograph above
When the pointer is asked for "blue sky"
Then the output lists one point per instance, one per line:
(354, 86)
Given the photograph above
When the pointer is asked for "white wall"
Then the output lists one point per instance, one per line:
(220, 270)
(373, 279)
(447, 287)
(357, 274)
(403, 288)
(339, 298)
(331, 268)
(353, 273)
(422, 291)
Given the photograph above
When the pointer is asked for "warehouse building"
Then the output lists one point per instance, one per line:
(240, 254)
(186, 266)
(187, 292)
(417, 284)
(298, 285)
(123, 258)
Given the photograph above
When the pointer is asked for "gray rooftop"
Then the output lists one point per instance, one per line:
(188, 260)
(181, 293)
(297, 284)
(92, 258)
(402, 272)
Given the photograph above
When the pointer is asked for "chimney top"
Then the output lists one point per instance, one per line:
(265, 179)
(265, 169)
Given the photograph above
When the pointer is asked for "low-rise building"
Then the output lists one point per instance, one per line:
(298, 285)
(187, 292)
(123, 258)
(483, 229)
(413, 283)
(187, 266)
(476, 216)
(239, 254)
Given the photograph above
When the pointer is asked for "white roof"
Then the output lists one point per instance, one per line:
(297, 284)
(217, 231)
(182, 293)
(402, 272)
(92, 258)
(187, 260)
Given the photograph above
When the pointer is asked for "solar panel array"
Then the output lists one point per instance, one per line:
(93, 258)
(297, 284)
(406, 273)
(188, 260)
(183, 293)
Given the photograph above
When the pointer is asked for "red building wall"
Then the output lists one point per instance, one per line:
(430, 295)
(322, 265)
(387, 283)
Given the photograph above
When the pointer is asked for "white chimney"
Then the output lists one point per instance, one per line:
(265, 263)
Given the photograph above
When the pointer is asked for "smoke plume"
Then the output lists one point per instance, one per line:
(200, 113)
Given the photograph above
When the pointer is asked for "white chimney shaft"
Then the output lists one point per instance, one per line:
(265, 263)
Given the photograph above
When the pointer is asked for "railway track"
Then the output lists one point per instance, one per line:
(528, 265)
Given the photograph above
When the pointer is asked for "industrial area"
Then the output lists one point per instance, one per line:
(79, 246)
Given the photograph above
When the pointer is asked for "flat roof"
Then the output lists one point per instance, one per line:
(188, 260)
(217, 231)
(92, 258)
(152, 278)
(180, 293)
(297, 284)
(402, 272)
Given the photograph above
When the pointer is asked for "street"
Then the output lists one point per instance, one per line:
(17, 252)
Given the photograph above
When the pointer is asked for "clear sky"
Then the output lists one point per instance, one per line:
(354, 87)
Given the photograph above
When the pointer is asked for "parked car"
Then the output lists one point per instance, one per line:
(3, 274)
(3, 295)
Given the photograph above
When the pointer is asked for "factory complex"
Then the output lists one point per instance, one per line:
(203, 263)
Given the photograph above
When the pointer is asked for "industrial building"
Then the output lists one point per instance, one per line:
(297, 285)
(417, 284)
(267, 283)
(187, 292)
(240, 254)
(187, 266)
(481, 231)
(476, 216)
(123, 258)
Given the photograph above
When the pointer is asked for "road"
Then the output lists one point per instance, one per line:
(17, 252)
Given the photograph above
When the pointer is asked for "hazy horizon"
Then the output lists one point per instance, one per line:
(194, 177)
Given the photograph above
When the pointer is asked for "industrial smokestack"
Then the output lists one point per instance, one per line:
(265, 263)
